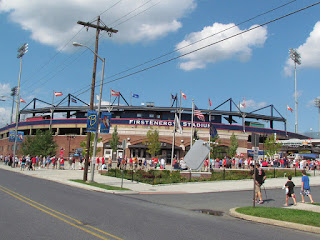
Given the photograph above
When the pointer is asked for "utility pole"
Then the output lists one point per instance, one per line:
(93, 83)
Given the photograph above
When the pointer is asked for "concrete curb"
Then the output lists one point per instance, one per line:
(296, 226)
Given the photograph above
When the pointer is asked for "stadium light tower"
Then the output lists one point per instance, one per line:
(99, 109)
(317, 104)
(295, 56)
(21, 52)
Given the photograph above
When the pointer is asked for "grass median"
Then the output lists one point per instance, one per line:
(167, 177)
(100, 185)
(283, 214)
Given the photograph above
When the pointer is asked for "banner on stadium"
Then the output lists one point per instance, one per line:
(12, 136)
(105, 122)
(92, 123)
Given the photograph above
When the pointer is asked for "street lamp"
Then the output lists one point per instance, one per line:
(99, 107)
(21, 51)
(13, 94)
(295, 56)
(317, 104)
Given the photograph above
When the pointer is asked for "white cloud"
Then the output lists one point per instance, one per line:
(239, 47)
(312, 102)
(5, 89)
(309, 52)
(102, 102)
(55, 22)
(252, 104)
(5, 114)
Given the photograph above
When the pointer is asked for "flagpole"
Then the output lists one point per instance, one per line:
(192, 125)
(110, 102)
(180, 107)
(51, 111)
(173, 138)
(243, 116)
(209, 164)
(286, 120)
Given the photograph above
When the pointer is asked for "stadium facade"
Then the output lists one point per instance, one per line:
(133, 123)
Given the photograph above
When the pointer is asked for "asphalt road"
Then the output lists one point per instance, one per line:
(223, 201)
(33, 208)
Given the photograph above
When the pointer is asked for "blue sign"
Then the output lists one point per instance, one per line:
(105, 122)
(12, 136)
(92, 123)
(20, 137)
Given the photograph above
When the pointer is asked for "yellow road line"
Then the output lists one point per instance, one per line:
(33, 204)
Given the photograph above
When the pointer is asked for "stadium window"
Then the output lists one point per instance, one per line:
(158, 116)
(139, 115)
(151, 115)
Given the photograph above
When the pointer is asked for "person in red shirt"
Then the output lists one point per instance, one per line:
(34, 162)
(98, 163)
(224, 163)
(61, 163)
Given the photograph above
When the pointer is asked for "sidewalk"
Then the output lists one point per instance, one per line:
(63, 176)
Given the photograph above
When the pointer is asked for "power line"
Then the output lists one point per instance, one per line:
(201, 48)
(166, 54)
(60, 51)
(188, 45)
(37, 82)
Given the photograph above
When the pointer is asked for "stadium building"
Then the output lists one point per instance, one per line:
(68, 121)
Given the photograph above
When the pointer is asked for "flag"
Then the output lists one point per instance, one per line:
(57, 94)
(243, 104)
(173, 97)
(183, 95)
(177, 121)
(289, 108)
(23, 101)
(73, 100)
(114, 93)
(210, 102)
(135, 95)
(198, 113)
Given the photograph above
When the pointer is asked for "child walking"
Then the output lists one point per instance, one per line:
(305, 187)
(290, 191)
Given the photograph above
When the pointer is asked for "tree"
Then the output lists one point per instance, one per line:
(195, 135)
(114, 141)
(215, 148)
(153, 142)
(83, 145)
(233, 145)
(271, 146)
(40, 144)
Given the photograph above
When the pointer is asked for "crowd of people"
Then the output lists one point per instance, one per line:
(135, 163)
(247, 163)
(33, 162)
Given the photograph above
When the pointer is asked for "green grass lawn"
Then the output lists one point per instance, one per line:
(99, 185)
(283, 214)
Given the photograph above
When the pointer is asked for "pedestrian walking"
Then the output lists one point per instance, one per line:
(260, 178)
(289, 186)
(305, 187)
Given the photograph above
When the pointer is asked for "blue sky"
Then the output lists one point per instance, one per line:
(254, 65)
